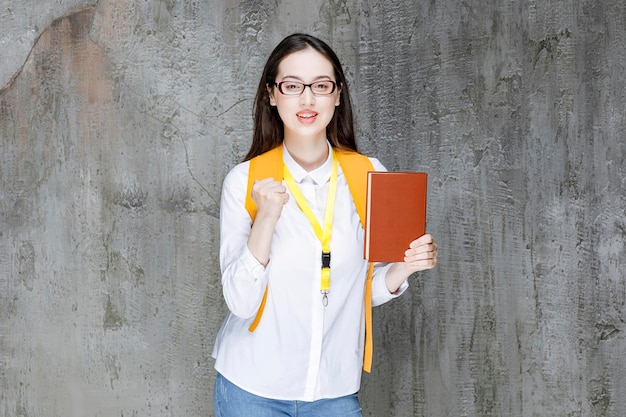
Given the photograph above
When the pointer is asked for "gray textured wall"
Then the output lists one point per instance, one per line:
(119, 120)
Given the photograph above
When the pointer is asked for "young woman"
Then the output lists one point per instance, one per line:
(305, 354)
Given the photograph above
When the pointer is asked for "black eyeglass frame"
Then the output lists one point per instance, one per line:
(304, 86)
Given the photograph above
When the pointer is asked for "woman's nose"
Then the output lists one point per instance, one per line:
(307, 96)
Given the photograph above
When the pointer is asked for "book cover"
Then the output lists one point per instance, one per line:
(395, 213)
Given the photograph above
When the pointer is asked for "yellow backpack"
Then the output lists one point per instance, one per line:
(355, 167)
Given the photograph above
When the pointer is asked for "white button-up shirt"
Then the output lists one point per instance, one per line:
(301, 350)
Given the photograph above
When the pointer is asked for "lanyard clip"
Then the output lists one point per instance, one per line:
(324, 297)
(325, 260)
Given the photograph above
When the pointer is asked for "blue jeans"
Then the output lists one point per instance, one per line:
(231, 401)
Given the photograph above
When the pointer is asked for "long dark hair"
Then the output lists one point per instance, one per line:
(268, 127)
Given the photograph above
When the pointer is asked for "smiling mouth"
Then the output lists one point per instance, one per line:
(306, 115)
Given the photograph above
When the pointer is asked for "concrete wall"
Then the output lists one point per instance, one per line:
(118, 121)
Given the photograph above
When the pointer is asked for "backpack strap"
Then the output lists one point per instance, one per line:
(355, 167)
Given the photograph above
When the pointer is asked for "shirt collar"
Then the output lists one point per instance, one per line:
(320, 175)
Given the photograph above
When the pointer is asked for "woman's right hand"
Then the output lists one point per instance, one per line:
(270, 196)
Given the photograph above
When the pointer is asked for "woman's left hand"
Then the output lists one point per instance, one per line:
(421, 255)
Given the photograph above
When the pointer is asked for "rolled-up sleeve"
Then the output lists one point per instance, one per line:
(380, 292)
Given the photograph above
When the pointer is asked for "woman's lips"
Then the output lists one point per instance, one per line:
(306, 117)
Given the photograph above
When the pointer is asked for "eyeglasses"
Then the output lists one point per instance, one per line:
(295, 88)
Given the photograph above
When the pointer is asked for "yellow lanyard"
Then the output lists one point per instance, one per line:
(324, 234)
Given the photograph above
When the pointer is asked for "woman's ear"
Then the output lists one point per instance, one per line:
(270, 94)
(338, 101)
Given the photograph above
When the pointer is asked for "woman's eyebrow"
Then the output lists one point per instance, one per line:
(319, 77)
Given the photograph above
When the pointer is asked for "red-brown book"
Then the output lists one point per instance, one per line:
(395, 213)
